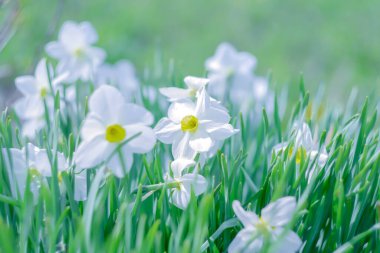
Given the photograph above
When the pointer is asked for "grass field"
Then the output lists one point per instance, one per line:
(135, 166)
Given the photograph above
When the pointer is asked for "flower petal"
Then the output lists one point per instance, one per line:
(181, 147)
(80, 187)
(194, 182)
(248, 218)
(178, 110)
(167, 131)
(180, 198)
(244, 242)
(26, 85)
(196, 83)
(201, 141)
(136, 115)
(174, 93)
(219, 131)
(144, 142)
(290, 243)
(92, 127)
(280, 212)
(92, 152)
(56, 50)
(105, 102)
(178, 165)
(116, 165)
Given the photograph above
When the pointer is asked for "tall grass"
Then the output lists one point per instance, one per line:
(337, 207)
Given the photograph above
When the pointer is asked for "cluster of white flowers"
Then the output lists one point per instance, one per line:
(114, 129)
(196, 123)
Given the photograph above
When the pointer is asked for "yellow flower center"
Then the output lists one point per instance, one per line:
(115, 133)
(43, 92)
(301, 154)
(34, 172)
(192, 92)
(79, 53)
(262, 225)
(189, 124)
(60, 179)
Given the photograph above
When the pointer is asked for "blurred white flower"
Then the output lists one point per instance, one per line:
(192, 128)
(122, 75)
(270, 226)
(194, 85)
(304, 145)
(180, 194)
(231, 75)
(34, 161)
(75, 52)
(110, 122)
(229, 67)
(35, 90)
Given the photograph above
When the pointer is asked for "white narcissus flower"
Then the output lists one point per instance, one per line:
(194, 85)
(34, 161)
(269, 226)
(304, 145)
(110, 122)
(35, 90)
(122, 75)
(180, 195)
(230, 67)
(75, 51)
(192, 128)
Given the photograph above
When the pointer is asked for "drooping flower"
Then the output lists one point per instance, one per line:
(75, 51)
(112, 121)
(194, 86)
(121, 75)
(33, 161)
(185, 183)
(36, 90)
(304, 145)
(269, 226)
(194, 127)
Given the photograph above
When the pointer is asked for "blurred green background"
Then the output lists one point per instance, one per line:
(335, 43)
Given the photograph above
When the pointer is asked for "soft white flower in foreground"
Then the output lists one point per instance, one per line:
(180, 195)
(269, 226)
(34, 161)
(35, 90)
(122, 75)
(304, 145)
(194, 86)
(192, 128)
(75, 52)
(110, 122)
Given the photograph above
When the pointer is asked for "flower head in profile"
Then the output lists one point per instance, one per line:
(113, 126)
(35, 91)
(121, 75)
(269, 227)
(75, 51)
(187, 183)
(193, 87)
(304, 145)
(194, 127)
(33, 161)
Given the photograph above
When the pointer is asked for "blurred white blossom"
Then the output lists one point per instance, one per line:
(269, 226)
(75, 52)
